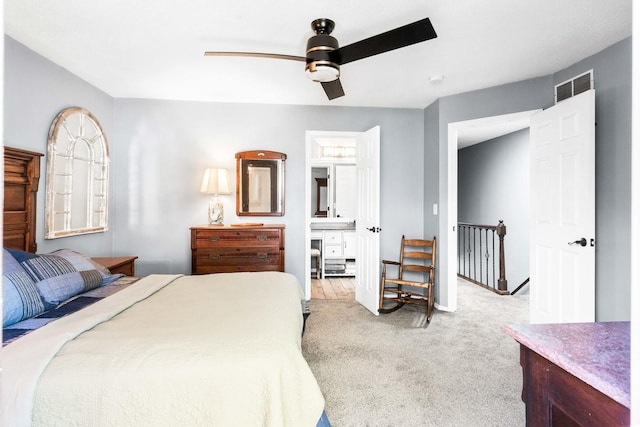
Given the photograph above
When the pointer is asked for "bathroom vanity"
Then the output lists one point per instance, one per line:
(337, 244)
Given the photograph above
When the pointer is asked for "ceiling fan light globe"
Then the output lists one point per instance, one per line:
(322, 72)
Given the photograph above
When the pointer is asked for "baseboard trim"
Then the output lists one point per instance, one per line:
(443, 308)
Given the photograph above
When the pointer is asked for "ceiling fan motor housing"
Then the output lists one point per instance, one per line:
(320, 65)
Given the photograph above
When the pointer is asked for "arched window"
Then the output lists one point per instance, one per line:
(77, 175)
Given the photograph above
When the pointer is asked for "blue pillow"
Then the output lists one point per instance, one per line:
(63, 274)
(21, 298)
(82, 262)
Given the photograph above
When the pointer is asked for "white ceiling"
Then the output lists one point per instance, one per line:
(154, 48)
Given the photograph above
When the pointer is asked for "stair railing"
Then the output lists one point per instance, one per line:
(477, 257)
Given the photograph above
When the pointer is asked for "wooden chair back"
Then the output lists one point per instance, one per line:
(417, 256)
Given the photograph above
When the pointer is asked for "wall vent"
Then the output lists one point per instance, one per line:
(574, 86)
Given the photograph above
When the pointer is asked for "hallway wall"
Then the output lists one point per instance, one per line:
(493, 185)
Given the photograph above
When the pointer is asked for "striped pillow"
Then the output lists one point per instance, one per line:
(63, 274)
(82, 262)
(21, 298)
(56, 278)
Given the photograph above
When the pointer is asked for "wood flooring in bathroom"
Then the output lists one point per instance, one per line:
(333, 288)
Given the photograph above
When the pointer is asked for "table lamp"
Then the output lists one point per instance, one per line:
(215, 182)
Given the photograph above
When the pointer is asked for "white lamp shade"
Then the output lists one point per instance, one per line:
(215, 181)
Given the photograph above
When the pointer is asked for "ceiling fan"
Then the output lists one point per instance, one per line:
(324, 58)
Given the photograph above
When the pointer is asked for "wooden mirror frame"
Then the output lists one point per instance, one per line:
(272, 192)
(320, 184)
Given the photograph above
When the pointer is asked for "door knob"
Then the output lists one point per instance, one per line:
(375, 229)
(581, 242)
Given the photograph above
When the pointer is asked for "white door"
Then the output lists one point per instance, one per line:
(368, 219)
(346, 206)
(562, 209)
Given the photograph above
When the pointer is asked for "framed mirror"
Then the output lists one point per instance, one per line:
(321, 198)
(260, 183)
(77, 175)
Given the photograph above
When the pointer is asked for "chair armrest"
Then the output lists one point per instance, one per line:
(383, 275)
(386, 262)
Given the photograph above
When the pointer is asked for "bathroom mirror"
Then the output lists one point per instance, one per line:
(333, 191)
(321, 198)
(260, 183)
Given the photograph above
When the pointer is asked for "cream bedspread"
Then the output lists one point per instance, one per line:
(209, 350)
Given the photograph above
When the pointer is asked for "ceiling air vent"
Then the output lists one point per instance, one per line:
(574, 86)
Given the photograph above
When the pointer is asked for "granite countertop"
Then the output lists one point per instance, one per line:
(597, 353)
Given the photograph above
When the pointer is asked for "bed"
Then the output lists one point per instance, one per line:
(221, 349)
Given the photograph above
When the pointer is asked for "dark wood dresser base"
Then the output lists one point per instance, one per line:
(227, 249)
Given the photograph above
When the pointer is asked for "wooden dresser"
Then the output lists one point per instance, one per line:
(575, 374)
(227, 249)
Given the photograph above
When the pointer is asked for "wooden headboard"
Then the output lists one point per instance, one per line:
(21, 178)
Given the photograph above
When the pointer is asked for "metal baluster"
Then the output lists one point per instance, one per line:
(494, 258)
(474, 254)
(480, 254)
(459, 237)
(486, 253)
(469, 252)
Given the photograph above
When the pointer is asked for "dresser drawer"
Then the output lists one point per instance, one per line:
(231, 238)
(332, 251)
(333, 237)
(239, 256)
(236, 262)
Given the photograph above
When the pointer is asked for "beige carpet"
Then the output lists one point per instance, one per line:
(390, 370)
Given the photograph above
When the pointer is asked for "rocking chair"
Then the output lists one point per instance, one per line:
(414, 284)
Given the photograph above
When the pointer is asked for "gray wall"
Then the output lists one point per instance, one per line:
(493, 184)
(432, 173)
(163, 147)
(612, 73)
(511, 98)
(35, 91)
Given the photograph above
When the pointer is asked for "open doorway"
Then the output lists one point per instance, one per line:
(341, 224)
(464, 134)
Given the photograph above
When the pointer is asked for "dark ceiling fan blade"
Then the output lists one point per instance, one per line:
(407, 35)
(257, 55)
(333, 89)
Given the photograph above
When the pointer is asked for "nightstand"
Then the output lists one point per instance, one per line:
(119, 264)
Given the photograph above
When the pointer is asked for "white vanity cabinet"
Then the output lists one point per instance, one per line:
(349, 244)
(339, 254)
(333, 244)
